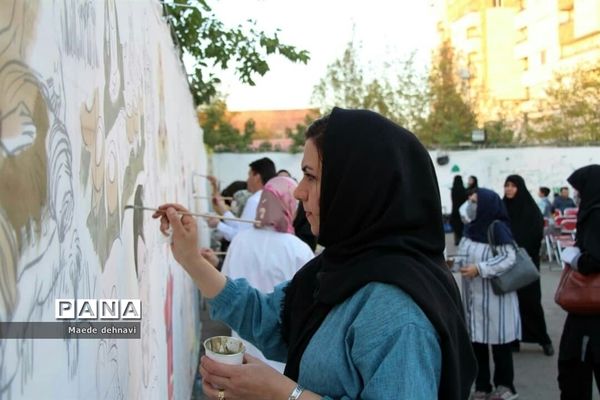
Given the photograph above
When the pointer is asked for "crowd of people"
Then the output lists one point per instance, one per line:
(376, 312)
(502, 321)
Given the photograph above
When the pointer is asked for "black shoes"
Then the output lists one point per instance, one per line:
(548, 349)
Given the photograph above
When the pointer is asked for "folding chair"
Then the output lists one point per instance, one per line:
(562, 235)
(547, 240)
(571, 212)
(568, 227)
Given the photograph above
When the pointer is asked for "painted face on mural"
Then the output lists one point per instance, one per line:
(25, 123)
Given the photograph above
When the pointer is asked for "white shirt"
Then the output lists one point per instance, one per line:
(265, 258)
(231, 228)
(490, 318)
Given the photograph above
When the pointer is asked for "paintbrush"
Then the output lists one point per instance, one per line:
(209, 197)
(249, 221)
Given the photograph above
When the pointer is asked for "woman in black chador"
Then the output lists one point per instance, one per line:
(527, 225)
(459, 196)
(579, 354)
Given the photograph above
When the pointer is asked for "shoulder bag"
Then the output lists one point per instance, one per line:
(521, 274)
(578, 293)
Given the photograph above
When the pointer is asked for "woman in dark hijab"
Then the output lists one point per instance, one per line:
(377, 314)
(527, 225)
(579, 354)
(493, 319)
(459, 196)
(472, 184)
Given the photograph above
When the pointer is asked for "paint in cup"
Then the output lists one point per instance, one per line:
(225, 349)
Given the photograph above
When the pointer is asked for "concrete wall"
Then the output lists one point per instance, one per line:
(95, 114)
(539, 166)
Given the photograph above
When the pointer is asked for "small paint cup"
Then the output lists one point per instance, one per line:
(225, 349)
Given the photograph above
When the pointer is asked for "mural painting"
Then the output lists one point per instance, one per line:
(88, 94)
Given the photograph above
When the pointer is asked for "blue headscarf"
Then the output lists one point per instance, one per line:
(490, 208)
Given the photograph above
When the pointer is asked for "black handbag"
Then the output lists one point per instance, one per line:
(522, 273)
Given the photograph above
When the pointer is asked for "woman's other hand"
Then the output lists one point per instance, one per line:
(184, 244)
(469, 271)
(210, 256)
(219, 204)
(251, 380)
(214, 184)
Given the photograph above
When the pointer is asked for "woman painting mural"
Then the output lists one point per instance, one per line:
(377, 314)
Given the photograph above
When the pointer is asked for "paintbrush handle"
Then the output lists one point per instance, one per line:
(249, 221)
(209, 197)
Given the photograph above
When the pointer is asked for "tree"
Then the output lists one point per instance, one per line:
(570, 113)
(451, 119)
(343, 84)
(219, 133)
(297, 134)
(398, 93)
(201, 35)
(498, 132)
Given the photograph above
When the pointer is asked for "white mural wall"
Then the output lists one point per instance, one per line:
(539, 166)
(95, 114)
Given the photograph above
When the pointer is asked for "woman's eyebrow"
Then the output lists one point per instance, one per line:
(306, 168)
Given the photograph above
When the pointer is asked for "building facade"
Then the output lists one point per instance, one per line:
(509, 50)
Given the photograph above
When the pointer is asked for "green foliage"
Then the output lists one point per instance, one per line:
(219, 133)
(214, 46)
(570, 113)
(498, 132)
(265, 146)
(451, 119)
(297, 134)
(401, 95)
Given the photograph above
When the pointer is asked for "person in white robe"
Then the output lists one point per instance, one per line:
(269, 254)
(492, 319)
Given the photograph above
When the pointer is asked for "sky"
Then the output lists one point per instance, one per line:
(386, 29)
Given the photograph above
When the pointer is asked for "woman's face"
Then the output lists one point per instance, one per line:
(309, 188)
(510, 190)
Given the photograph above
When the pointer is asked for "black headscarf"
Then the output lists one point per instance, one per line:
(489, 209)
(380, 221)
(458, 193)
(302, 228)
(526, 220)
(586, 181)
(474, 185)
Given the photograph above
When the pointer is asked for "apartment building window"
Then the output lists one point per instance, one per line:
(472, 60)
(543, 57)
(524, 63)
(472, 32)
(522, 34)
(522, 5)
(497, 3)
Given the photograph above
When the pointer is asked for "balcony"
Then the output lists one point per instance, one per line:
(565, 5)
(565, 32)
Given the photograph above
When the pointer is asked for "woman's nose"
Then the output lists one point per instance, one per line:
(299, 194)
